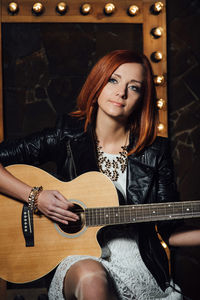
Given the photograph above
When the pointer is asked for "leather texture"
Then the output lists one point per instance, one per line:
(149, 176)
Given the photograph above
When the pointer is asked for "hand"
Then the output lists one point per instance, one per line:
(55, 206)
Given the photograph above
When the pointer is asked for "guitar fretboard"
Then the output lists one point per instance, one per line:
(142, 213)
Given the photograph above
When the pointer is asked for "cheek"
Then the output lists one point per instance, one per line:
(103, 96)
(99, 100)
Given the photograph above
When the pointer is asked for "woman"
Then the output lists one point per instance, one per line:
(113, 130)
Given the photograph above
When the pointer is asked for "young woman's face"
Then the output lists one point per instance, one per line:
(122, 92)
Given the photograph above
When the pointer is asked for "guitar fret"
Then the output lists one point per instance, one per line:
(133, 214)
(87, 218)
(123, 216)
(126, 214)
(93, 216)
(98, 216)
(187, 209)
(130, 216)
(176, 209)
(106, 216)
(102, 219)
(137, 213)
(117, 215)
(169, 211)
(196, 208)
(110, 215)
(143, 213)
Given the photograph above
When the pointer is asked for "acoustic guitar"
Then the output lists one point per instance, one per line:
(96, 202)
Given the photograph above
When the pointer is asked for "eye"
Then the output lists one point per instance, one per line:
(135, 88)
(112, 80)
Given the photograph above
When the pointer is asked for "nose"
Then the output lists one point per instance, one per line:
(122, 92)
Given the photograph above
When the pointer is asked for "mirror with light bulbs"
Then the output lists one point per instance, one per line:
(82, 32)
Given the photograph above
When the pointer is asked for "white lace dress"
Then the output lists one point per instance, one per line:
(132, 280)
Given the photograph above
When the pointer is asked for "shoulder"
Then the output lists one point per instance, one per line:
(160, 144)
(158, 150)
(153, 153)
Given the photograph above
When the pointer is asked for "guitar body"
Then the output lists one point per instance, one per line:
(52, 244)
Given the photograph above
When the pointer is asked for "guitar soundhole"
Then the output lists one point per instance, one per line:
(74, 227)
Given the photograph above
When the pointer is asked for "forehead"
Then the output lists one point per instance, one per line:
(132, 70)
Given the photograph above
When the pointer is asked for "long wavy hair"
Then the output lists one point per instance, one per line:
(144, 119)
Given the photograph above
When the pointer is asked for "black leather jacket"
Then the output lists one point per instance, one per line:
(149, 177)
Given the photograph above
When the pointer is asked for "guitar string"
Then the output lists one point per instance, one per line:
(113, 213)
(138, 211)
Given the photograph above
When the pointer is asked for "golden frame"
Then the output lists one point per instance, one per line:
(146, 16)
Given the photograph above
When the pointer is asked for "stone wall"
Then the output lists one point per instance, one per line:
(184, 122)
(184, 93)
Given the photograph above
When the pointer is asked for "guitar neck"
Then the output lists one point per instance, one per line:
(142, 213)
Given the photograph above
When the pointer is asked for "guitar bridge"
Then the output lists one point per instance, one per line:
(27, 225)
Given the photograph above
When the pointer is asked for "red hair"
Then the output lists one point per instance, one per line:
(144, 120)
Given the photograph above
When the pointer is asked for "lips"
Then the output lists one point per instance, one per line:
(119, 104)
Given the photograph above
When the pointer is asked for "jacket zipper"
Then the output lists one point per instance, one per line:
(69, 152)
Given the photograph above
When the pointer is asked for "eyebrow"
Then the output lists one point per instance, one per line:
(132, 80)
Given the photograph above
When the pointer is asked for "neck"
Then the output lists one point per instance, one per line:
(111, 134)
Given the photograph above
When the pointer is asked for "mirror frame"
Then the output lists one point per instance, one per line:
(146, 17)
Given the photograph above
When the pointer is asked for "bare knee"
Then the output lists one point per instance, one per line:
(86, 277)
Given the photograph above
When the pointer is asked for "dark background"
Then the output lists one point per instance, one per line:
(183, 19)
(45, 66)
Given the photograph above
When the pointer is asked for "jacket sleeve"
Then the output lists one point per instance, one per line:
(166, 189)
(35, 149)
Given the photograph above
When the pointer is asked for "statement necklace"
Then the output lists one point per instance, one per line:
(112, 167)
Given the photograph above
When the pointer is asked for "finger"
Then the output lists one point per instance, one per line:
(65, 205)
(60, 197)
(59, 218)
(64, 213)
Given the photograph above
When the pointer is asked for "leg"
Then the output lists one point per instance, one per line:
(87, 280)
